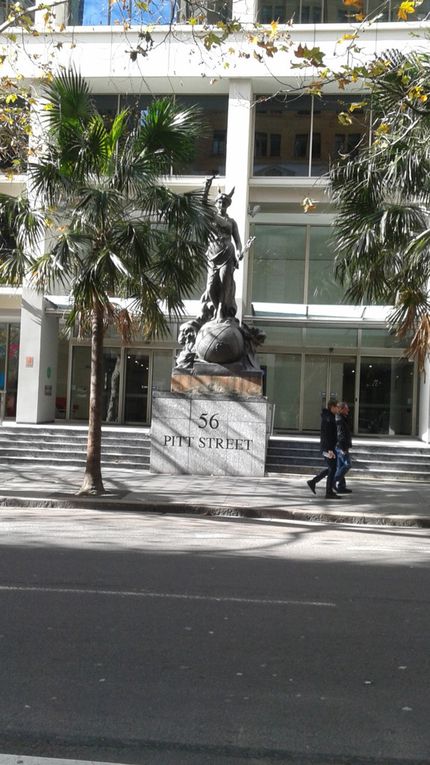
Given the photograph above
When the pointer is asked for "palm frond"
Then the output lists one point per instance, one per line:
(68, 101)
(169, 133)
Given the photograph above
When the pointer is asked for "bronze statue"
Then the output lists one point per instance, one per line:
(223, 254)
(215, 338)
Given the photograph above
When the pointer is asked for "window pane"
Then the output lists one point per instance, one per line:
(108, 107)
(278, 264)
(207, 12)
(337, 12)
(211, 147)
(273, 11)
(284, 337)
(380, 338)
(282, 374)
(336, 137)
(214, 117)
(289, 119)
(323, 288)
(309, 12)
(327, 337)
(162, 370)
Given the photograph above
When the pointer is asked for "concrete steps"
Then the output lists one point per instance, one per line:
(129, 449)
(406, 461)
(65, 446)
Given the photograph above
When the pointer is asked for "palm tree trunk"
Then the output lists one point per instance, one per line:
(93, 483)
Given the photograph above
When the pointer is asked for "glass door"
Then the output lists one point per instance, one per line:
(315, 382)
(343, 381)
(386, 396)
(136, 386)
(323, 378)
(3, 347)
(80, 392)
(12, 370)
(111, 384)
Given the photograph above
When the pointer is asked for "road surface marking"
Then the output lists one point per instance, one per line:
(166, 595)
(16, 759)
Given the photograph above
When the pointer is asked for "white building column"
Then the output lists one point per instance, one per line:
(238, 163)
(38, 349)
(38, 352)
(424, 403)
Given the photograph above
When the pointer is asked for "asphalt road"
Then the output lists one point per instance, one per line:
(162, 639)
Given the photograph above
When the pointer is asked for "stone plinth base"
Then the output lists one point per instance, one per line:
(209, 435)
(247, 384)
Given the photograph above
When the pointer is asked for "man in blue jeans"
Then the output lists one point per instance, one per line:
(343, 445)
(327, 444)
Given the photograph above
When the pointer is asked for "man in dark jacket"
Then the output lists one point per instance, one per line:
(343, 445)
(328, 440)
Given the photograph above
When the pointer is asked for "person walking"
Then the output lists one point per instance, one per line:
(328, 440)
(343, 445)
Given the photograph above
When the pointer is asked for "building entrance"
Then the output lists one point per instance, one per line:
(126, 375)
(379, 391)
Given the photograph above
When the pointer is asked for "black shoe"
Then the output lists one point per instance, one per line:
(311, 484)
(332, 495)
(344, 490)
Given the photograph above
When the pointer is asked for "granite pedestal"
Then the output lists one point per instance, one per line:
(203, 434)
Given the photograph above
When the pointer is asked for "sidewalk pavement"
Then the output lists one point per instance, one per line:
(391, 503)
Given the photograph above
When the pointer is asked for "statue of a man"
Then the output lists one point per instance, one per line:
(223, 255)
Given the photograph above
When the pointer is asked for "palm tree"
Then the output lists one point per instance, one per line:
(110, 228)
(382, 196)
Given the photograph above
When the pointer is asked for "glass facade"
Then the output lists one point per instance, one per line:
(333, 11)
(105, 12)
(210, 149)
(299, 134)
(293, 264)
(278, 264)
(129, 374)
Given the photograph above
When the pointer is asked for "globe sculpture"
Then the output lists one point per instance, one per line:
(220, 342)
